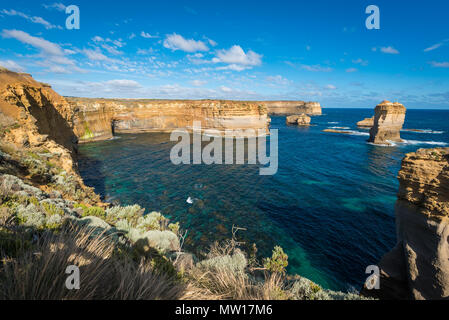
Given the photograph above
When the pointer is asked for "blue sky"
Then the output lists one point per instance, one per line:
(250, 50)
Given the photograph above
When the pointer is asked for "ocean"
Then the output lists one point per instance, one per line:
(330, 206)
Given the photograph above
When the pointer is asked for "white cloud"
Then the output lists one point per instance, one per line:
(11, 65)
(225, 89)
(439, 64)
(212, 42)
(436, 46)
(237, 59)
(280, 80)
(45, 46)
(37, 20)
(57, 6)
(95, 55)
(316, 68)
(146, 35)
(330, 87)
(360, 61)
(350, 70)
(177, 42)
(198, 83)
(123, 84)
(389, 50)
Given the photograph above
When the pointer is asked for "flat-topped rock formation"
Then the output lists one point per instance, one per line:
(98, 119)
(366, 123)
(299, 120)
(286, 108)
(418, 267)
(388, 121)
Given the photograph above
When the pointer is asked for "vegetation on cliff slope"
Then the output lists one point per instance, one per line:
(122, 252)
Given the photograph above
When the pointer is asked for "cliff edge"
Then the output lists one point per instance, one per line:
(418, 267)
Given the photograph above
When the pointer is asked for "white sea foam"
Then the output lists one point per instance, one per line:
(430, 131)
(433, 143)
(358, 133)
(333, 122)
(342, 128)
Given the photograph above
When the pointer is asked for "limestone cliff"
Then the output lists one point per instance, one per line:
(418, 267)
(286, 108)
(366, 123)
(300, 120)
(388, 121)
(36, 128)
(98, 119)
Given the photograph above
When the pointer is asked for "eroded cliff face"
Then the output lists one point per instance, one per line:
(33, 115)
(36, 131)
(366, 123)
(98, 119)
(300, 120)
(286, 108)
(388, 121)
(418, 267)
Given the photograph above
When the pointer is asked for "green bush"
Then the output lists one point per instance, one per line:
(278, 261)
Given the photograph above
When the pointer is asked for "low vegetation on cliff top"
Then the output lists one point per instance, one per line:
(49, 221)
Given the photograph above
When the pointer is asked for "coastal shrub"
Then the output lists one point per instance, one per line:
(278, 261)
(174, 227)
(130, 213)
(91, 211)
(233, 263)
(152, 221)
(104, 276)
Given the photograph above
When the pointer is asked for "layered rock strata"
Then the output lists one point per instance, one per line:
(388, 121)
(418, 267)
(299, 120)
(286, 108)
(99, 119)
(366, 123)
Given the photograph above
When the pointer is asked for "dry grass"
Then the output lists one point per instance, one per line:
(225, 285)
(40, 274)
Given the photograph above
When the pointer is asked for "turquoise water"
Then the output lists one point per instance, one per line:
(330, 206)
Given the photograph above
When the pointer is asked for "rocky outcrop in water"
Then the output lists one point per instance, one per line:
(366, 123)
(388, 121)
(418, 267)
(299, 120)
(286, 108)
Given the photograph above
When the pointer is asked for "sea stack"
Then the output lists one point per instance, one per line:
(388, 121)
(366, 123)
(300, 120)
(418, 267)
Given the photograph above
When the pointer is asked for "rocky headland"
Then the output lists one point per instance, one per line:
(366, 123)
(418, 266)
(299, 120)
(388, 121)
(100, 119)
(287, 108)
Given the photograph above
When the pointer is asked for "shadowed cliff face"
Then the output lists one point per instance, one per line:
(98, 119)
(418, 267)
(42, 118)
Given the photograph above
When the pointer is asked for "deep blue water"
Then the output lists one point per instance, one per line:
(330, 206)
